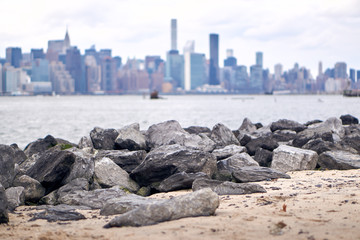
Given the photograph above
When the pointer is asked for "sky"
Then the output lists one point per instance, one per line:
(286, 31)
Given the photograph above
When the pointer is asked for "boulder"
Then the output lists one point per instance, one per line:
(65, 144)
(4, 217)
(287, 158)
(78, 184)
(244, 139)
(263, 157)
(198, 130)
(257, 174)
(33, 190)
(223, 136)
(165, 161)
(85, 142)
(340, 160)
(7, 165)
(52, 168)
(83, 166)
(227, 188)
(200, 203)
(267, 143)
(130, 138)
(247, 126)
(103, 138)
(29, 162)
(15, 197)
(40, 145)
(262, 132)
(351, 142)
(58, 213)
(20, 156)
(319, 145)
(228, 151)
(349, 119)
(108, 174)
(284, 135)
(285, 124)
(311, 122)
(179, 181)
(236, 162)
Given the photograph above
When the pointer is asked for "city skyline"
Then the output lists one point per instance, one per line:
(287, 32)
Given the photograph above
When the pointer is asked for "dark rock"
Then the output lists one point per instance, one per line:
(15, 197)
(7, 165)
(244, 139)
(349, 119)
(236, 162)
(179, 181)
(247, 126)
(258, 125)
(223, 175)
(52, 168)
(200, 203)
(164, 161)
(313, 122)
(287, 158)
(228, 151)
(4, 217)
(33, 190)
(79, 184)
(39, 146)
(20, 156)
(257, 174)
(284, 135)
(65, 144)
(319, 145)
(144, 191)
(127, 160)
(197, 130)
(85, 142)
(227, 188)
(83, 166)
(263, 157)
(103, 138)
(131, 138)
(285, 124)
(352, 142)
(262, 132)
(339, 160)
(223, 136)
(267, 143)
(56, 213)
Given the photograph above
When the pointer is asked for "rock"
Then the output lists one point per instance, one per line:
(228, 151)
(340, 160)
(144, 191)
(179, 181)
(40, 145)
(85, 142)
(247, 126)
(127, 160)
(65, 144)
(285, 124)
(349, 119)
(200, 203)
(108, 174)
(49, 199)
(7, 165)
(29, 162)
(103, 138)
(20, 156)
(262, 132)
(267, 143)
(198, 130)
(165, 161)
(263, 157)
(313, 122)
(352, 142)
(126, 203)
(223, 136)
(131, 138)
(236, 162)
(15, 197)
(58, 213)
(227, 188)
(95, 199)
(33, 190)
(257, 174)
(352, 130)
(52, 168)
(258, 125)
(284, 135)
(319, 145)
(244, 139)
(79, 184)
(83, 166)
(4, 217)
(287, 158)
(206, 144)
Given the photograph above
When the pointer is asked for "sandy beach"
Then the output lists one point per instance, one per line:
(310, 205)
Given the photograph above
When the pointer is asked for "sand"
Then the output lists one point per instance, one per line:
(310, 205)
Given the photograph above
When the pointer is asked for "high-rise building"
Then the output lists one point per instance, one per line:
(256, 74)
(173, 34)
(214, 60)
(278, 70)
(340, 70)
(14, 56)
(358, 76)
(175, 69)
(40, 70)
(61, 80)
(320, 73)
(37, 54)
(108, 74)
(194, 70)
(57, 48)
(73, 66)
(92, 74)
(352, 75)
(230, 60)
(259, 59)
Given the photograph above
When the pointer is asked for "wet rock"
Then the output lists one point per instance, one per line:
(236, 162)
(263, 157)
(15, 197)
(130, 138)
(165, 161)
(127, 160)
(228, 151)
(285, 124)
(197, 130)
(257, 174)
(349, 119)
(179, 181)
(287, 158)
(83, 166)
(200, 203)
(33, 190)
(223, 136)
(247, 126)
(7, 165)
(108, 174)
(39, 146)
(85, 142)
(58, 213)
(340, 160)
(227, 188)
(103, 138)
(4, 217)
(267, 143)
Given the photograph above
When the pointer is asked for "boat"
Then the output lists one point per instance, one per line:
(351, 93)
(154, 95)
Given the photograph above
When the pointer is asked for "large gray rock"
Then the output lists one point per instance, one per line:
(103, 138)
(198, 130)
(130, 138)
(33, 190)
(108, 174)
(15, 197)
(20, 156)
(52, 168)
(319, 145)
(266, 142)
(263, 157)
(285, 124)
(257, 174)
(228, 151)
(83, 166)
(40, 145)
(236, 162)
(223, 136)
(351, 142)
(283, 135)
(179, 181)
(79, 184)
(287, 158)
(127, 160)
(339, 160)
(58, 213)
(7, 165)
(164, 161)
(4, 217)
(85, 142)
(29, 162)
(247, 126)
(227, 188)
(200, 203)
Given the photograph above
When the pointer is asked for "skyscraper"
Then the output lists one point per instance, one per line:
(214, 60)
(73, 66)
(278, 71)
(340, 70)
(14, 56)
(173, 34)
(230, 61)
(320, 73)
(352, 75)
(259, 59)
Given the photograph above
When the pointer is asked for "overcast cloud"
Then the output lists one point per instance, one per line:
(286, 31)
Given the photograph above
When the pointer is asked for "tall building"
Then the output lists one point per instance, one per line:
(352, 75)
(194, 70)
(358, 76)
(340, 70)
(73, 66)
(320, 73)
(278, 70)
(214, 60)
(57, 48)
(230, 60)
(241, 79)
(61, 80)
(92, 74)
(37, 54)
(175, 69)
(259, 59)
(256, 74)
(14, 56)
(108, 74)
(173, 34)
(40, 70)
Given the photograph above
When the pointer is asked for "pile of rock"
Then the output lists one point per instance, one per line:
(113, 170)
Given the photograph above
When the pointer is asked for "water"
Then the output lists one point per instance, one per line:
(25, 119)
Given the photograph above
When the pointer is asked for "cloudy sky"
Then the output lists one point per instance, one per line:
(286, 31)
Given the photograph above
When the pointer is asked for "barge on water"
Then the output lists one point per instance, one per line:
(352, 93)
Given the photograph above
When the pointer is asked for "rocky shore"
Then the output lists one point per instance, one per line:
(117, 171)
